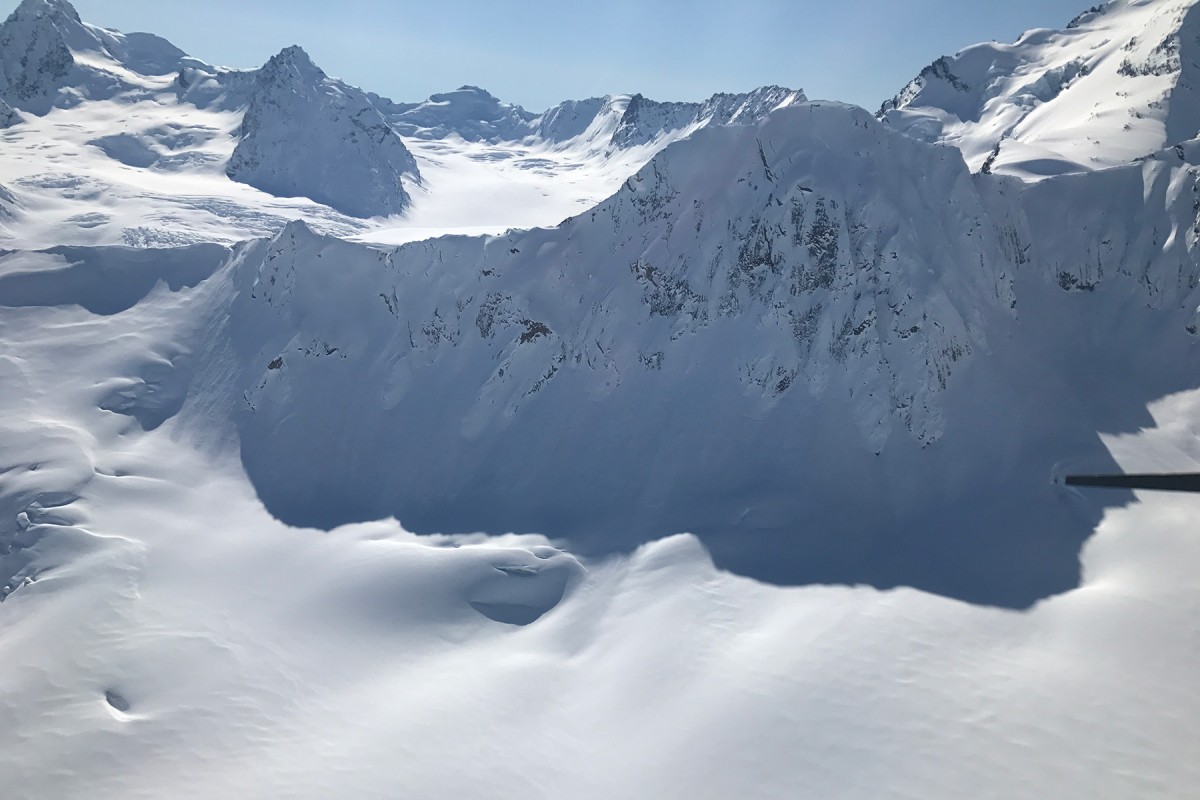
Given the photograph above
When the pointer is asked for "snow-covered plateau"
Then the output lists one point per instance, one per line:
(361, 448)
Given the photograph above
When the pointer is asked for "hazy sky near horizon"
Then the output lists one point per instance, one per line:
(539, 52)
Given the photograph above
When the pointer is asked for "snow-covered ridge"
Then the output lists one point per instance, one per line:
(830, 325)
(1119, 82)
(602, 123)
(644, 120)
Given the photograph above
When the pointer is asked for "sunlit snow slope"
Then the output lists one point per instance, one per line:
(1121, 81)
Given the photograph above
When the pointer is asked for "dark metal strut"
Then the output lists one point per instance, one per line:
(1178, 482)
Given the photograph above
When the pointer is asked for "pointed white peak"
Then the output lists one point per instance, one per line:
(56, 10)
(296, 233)
(293, 63)
(1120, 81)
(142, 53)
(748, 107)
(305, 134)
(34, 56)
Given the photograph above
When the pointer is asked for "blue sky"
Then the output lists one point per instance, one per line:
(538, 52)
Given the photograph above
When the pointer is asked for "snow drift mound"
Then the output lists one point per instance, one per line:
(1119, 82)
(305, 134)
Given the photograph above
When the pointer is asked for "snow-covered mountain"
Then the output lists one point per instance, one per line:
(599, 123)
(50, 58)
(1121, 81)
(468, 112)
(304, 134)
(758, 335)
(643, 120)
(822, 278)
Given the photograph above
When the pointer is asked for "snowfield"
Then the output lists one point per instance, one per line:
(1119, 82)
(169, 638)
(626, 449)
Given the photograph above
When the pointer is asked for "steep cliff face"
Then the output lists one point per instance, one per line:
(305, 134)
(778, 241)
(644, 120)
(1119, 82)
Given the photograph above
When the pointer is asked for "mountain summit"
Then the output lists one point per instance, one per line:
(50, 57)
(306, 134)
(1120, 81)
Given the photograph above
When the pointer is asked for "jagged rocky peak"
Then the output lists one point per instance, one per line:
(469, 111)
(35, 59)
(1090, 14)
(645, 120)
(38, 65)
(1120, 81)
(748, 107)
(305, 134)
(291, 63)
(933, 79)
(55, 11)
